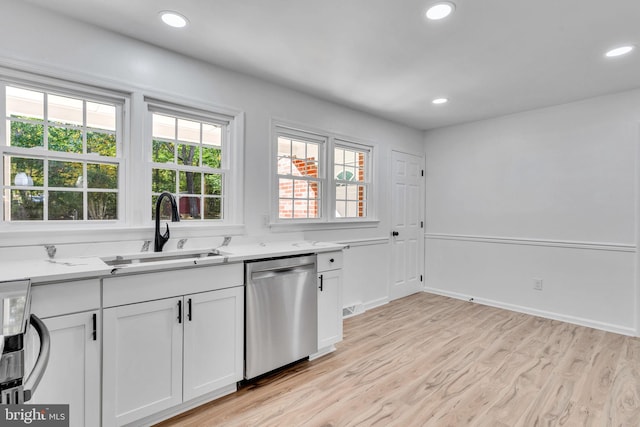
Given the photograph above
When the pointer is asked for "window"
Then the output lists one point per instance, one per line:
(350, 174)
(190, 158)
(305, 193)
(299, 179)
(66, 161)
(60, 155)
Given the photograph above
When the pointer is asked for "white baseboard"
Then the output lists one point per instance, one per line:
(376, 303)
(540, 313)
(322, 352)
(184, 407)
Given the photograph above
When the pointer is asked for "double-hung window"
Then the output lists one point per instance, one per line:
(351, 163)
(190, 153)
(65, 158)
(61, 154)
(321, 177)
(300, 174)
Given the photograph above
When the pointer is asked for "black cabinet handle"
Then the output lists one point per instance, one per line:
(321, 282)
(331, 260)
(189, 313)
(180, 311)
(395, 234)
(94, 333)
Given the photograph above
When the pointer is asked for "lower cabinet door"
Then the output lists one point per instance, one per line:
(329, 308)
(213, 340)
(142, 360)
(72, 376)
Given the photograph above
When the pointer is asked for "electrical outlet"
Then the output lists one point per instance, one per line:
(537, 284)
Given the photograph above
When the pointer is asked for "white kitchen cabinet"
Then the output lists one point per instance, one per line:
(159, 354)
(329, 300)
(213, 341)
(73, 372)
(142, 360)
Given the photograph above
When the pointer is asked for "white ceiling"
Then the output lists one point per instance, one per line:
(490, 58)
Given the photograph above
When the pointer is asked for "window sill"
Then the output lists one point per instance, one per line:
(22, 237)
(325, 225)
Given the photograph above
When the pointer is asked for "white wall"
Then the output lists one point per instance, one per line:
(545, 194)
(549, 194)
(37, 40)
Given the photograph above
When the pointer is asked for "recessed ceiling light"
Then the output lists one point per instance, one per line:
(173, 19)
(618, 51)
(440, 101)
(440, 10)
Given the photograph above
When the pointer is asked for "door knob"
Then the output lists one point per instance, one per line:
(395, 233)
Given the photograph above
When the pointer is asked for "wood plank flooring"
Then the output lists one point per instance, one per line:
(427, 360)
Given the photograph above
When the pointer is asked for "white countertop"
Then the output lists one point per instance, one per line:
(53, 270)
(278, 249)
(40, 271)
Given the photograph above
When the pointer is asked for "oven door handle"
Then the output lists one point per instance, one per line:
(39, 368)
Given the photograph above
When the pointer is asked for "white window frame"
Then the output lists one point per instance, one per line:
(329, 141)
(133, 181)
(305, 136)
(76, 90)
(367, 183)
(231, 168)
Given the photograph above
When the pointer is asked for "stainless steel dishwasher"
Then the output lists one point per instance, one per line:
(281, 312)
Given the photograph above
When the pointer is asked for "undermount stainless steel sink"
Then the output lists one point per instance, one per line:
(123, 261)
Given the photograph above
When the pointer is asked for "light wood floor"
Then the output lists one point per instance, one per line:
(427, 360)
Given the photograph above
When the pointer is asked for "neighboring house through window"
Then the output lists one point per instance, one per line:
(305, 192)
(299, 178)
(351, 177)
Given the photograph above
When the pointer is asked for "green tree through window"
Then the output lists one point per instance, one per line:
(63, 159)
(187, 160)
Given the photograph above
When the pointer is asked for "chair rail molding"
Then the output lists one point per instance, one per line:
(599, 246)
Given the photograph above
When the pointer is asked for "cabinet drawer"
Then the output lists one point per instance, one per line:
(329, 261)
(55, 299)
(121, 290)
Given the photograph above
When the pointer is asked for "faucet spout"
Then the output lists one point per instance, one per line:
(161, 239)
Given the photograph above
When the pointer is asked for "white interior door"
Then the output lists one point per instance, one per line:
(407, 224)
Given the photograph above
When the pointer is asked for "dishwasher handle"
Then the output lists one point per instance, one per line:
(276, 271)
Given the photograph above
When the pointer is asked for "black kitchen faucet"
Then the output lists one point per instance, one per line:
(161, 239)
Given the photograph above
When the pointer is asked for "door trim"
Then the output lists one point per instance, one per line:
(420, 237)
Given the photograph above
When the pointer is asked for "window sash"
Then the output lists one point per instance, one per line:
(348, 203)
(85, 207)
(295, 189)
(199, 200)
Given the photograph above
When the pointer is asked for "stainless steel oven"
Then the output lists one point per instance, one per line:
(281, 312)
(15, 319)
